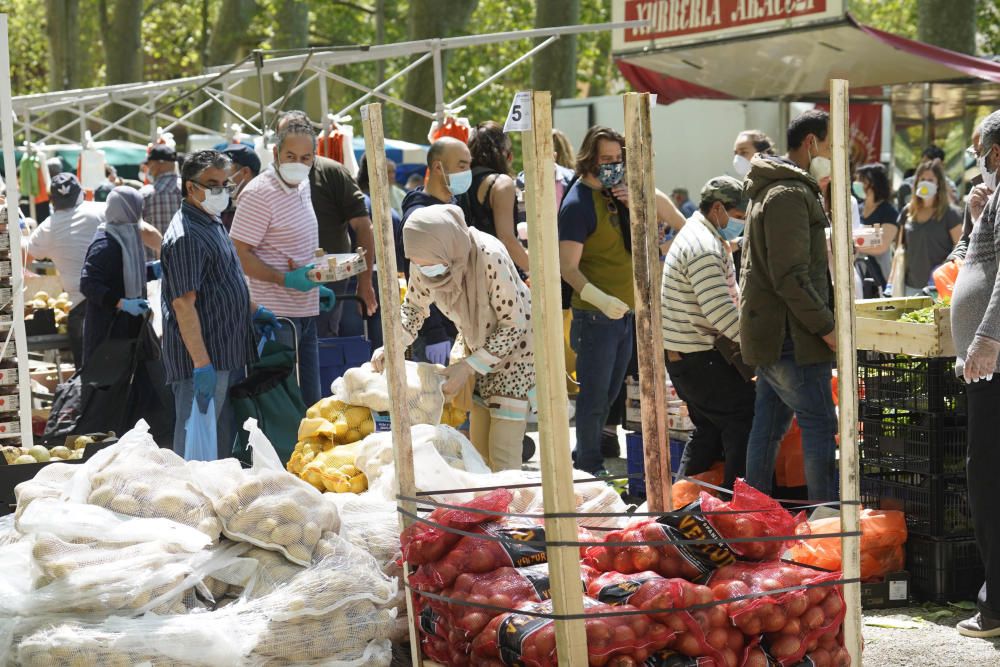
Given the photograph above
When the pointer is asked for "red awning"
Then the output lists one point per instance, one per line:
(796, 63)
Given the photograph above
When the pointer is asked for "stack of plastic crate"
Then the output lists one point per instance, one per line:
(913, 443)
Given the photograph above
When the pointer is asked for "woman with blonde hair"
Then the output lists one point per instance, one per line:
(931, 226)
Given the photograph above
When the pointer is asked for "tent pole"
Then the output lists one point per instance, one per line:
(847, 363)
(438, 81)
(14, 229)
(258, 59)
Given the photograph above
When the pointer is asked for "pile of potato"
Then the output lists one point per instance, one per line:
(42, 301)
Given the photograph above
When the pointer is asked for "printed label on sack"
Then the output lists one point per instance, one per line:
(512, 540)
(429, 621)
(515, 629)
(620, 593)
(8, 376)
(667, 658)
(9, 403)
(706, 557)
(382, 421)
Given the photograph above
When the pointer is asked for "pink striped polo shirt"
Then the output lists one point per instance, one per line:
(279, 223)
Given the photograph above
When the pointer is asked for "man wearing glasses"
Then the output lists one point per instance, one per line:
(207, 311)
(276, 236)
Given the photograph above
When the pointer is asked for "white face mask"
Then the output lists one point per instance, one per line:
(989, 179)
(294, 172)
(433, 270)
(819, 166)
(741, 166)
(215, 204)
(926, 190)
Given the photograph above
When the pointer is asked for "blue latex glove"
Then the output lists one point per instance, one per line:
(157, 269)
(265, 321)
(327, 299)
(135, 307)
(204, 386)
(438, 353)
(299, 280)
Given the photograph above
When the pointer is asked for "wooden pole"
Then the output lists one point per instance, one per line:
(847, 362)
(550, 370)
(385, 256)
(646, 281)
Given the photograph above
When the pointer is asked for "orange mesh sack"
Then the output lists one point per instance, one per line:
(883, 534)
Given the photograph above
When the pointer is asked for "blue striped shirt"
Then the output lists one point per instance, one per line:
(197, 256)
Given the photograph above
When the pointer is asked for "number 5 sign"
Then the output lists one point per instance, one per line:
(519, 116)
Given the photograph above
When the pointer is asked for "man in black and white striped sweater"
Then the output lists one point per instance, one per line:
(700, 308)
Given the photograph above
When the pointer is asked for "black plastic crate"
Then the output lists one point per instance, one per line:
(912, 383)
(920, 442)
(935, 505)
(943, 570)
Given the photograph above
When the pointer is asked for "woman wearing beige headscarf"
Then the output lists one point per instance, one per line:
(470, 277)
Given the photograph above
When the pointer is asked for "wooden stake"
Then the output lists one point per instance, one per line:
(385, 256)
(847, 362)
(550, 370)
(646, 280)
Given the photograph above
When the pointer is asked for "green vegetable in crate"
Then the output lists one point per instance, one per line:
(925, 315)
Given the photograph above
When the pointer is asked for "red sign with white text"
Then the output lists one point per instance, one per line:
(865, 145)
(670, 19)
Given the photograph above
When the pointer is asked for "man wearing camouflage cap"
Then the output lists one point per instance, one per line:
(701, 328)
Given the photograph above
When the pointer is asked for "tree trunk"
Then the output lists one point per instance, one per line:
(950, 24)
(554, 69)
(430, 19)
(121, 24)
(291, 32)
(228, 36)
(65, 71)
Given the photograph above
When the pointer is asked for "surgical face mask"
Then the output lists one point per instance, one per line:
(433, 270)
(215, 204)
(858, 188)
(741, 166)
(459, 182)
(294, 172)
(989, 178)
(611, 174)
(819, 166)
(926, 190)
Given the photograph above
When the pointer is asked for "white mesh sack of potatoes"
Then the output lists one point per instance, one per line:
(424, 398)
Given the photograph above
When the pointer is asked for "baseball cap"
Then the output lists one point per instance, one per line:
(163, 153)
(727, 190)
(65, 190)
(244, 156)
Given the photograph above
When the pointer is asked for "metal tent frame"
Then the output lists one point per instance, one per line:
(155, 100)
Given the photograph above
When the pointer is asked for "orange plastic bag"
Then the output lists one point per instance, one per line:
(790, 468)
(883, 534)
(944, 279)
(686, 492)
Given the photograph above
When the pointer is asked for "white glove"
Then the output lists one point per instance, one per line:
(613, 307)
(378, 360)
(981, 359)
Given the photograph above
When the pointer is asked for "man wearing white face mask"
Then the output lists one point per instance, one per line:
(786, 316)
(449, 174)
(276, 235)
(207, 311)
(748, 143)
(975, 323)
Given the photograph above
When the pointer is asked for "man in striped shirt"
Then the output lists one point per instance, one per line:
(700, 308)
(276, 235)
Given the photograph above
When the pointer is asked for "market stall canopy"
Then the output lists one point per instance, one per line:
(748, 49)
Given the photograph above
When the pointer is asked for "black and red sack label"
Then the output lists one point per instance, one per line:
(691, 525)
(620, 593)
(513, 540)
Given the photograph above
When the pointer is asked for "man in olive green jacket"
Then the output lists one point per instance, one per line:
(786, 316)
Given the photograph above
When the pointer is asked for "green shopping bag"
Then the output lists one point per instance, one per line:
(270, 394)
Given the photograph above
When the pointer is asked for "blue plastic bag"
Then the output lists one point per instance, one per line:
(200, 434)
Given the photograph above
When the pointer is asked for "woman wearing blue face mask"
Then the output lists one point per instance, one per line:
(471, 278)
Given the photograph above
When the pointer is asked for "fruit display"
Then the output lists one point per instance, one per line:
(40, 454)
(60, 305)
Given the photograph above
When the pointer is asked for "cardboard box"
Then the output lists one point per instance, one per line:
(890, 593)
(336, 267)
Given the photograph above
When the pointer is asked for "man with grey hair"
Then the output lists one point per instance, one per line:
(276, 236)
(341, 212)
(975, 323)
(207, 312)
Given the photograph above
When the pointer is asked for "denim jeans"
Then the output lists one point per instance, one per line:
(603, 350)
(225, 426)
(305, 330)
(783, 389)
